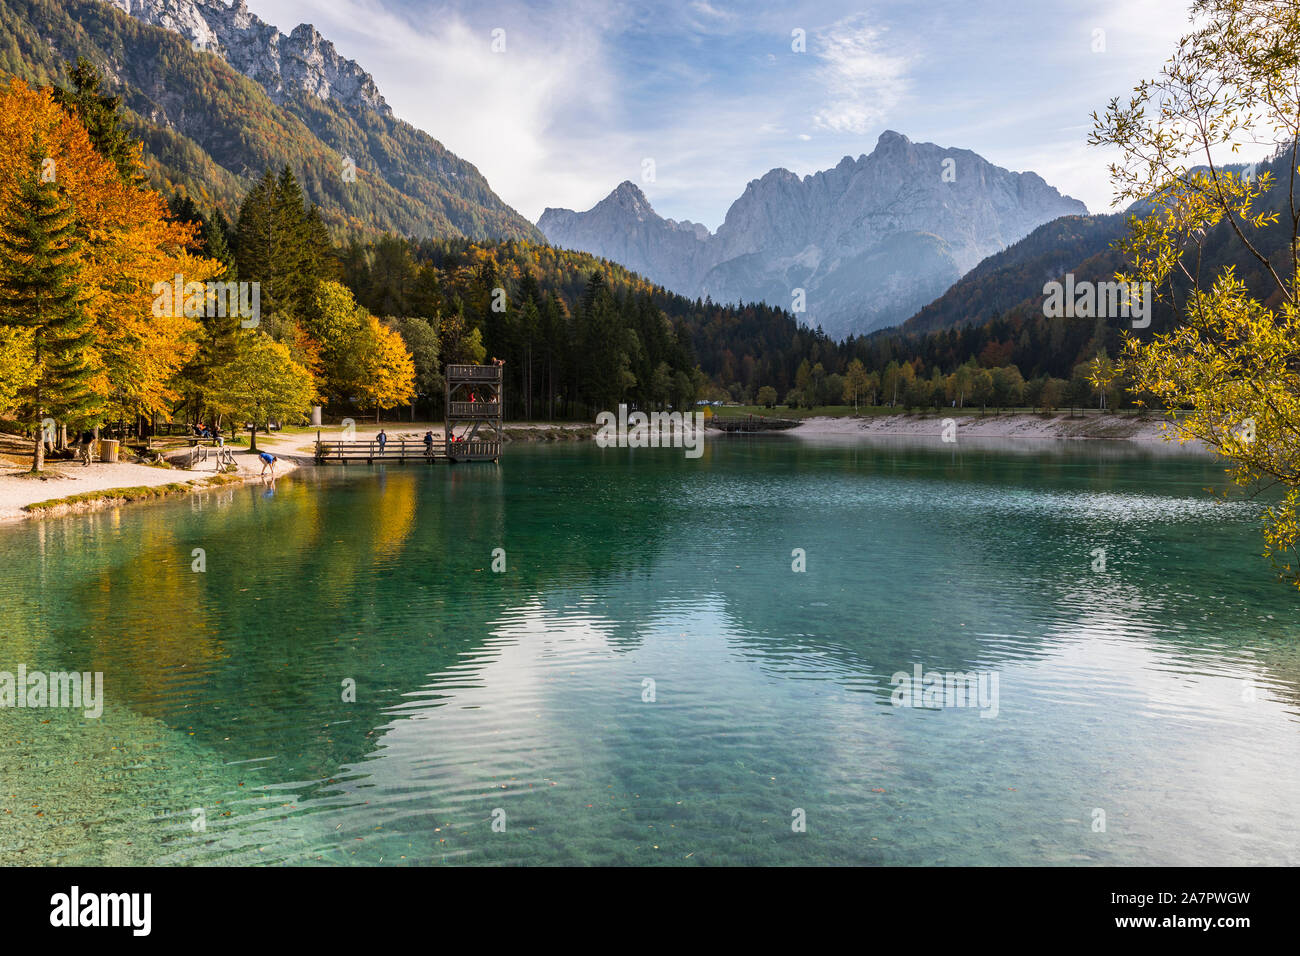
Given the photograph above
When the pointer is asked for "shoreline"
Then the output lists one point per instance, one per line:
(100, 486)
(1152, 428)
(22, 497)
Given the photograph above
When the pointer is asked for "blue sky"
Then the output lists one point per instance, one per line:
(713, 93)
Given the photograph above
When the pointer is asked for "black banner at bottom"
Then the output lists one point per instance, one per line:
(323, 905)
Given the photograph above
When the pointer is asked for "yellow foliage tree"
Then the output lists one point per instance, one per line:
(16, 367)
(1235, 360)
(128, 242)
(390, 370)
(364, 361)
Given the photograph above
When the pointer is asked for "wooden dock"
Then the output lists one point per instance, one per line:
(371, 451)
(473, 432)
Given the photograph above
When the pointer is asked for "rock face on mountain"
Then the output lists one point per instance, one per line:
(868, 242)
(302, 61)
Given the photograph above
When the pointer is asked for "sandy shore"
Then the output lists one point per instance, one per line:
(1114, 427)
(64, 478)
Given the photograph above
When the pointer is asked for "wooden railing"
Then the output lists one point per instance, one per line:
(474, 373)
(476, 409)
(468, 450)
(395, 449)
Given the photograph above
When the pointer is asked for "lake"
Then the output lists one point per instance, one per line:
(683, 662)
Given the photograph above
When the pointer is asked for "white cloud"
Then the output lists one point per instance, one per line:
(862, 81)
(712, 92)
(515, 115)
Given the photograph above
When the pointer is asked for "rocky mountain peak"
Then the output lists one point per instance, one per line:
(303, 62)
(870, 240)
(629, 197)
(890, 139)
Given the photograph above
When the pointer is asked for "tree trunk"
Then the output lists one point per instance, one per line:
(38, 454)
(252, 438)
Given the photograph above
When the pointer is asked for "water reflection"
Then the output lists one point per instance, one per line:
(526, 691)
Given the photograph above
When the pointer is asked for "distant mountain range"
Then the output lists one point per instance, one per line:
(218, 96)
(869, 242)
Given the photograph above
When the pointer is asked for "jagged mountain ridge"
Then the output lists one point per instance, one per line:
(624, 228)
(304, 61)
(869, 241)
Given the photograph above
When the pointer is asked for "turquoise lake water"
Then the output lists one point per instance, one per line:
(649, 681)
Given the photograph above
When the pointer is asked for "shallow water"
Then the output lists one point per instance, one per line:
(1145, 713)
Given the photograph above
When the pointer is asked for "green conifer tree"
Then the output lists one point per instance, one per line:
(40, 289)
(101, 116)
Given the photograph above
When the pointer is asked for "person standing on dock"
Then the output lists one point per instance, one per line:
(382, 438)
(428, 443)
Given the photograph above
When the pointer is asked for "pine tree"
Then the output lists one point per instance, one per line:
(295, 259)
(320, 261)
(286, 247)
(40, 289)
(258, 243)
(102, 118)
(218, 341)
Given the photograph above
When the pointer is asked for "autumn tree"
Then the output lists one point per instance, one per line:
(389, 377)
(262, 383)
(421, 341)
(127, 243)
(855, 382)
(1235, 359)
(16, 366)
(364, 363)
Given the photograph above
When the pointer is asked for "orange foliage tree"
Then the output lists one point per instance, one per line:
(127, 243)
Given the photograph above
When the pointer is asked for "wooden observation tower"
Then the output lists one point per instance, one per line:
(474, 407)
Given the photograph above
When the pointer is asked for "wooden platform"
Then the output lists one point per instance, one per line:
(370, 451)
(473, 430)
(475, 405)
(403, 451)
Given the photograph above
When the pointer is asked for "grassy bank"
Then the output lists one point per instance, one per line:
(107, 497)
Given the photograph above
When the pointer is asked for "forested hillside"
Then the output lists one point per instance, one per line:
(577, 333)
(210, 132)
(1017, 273)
